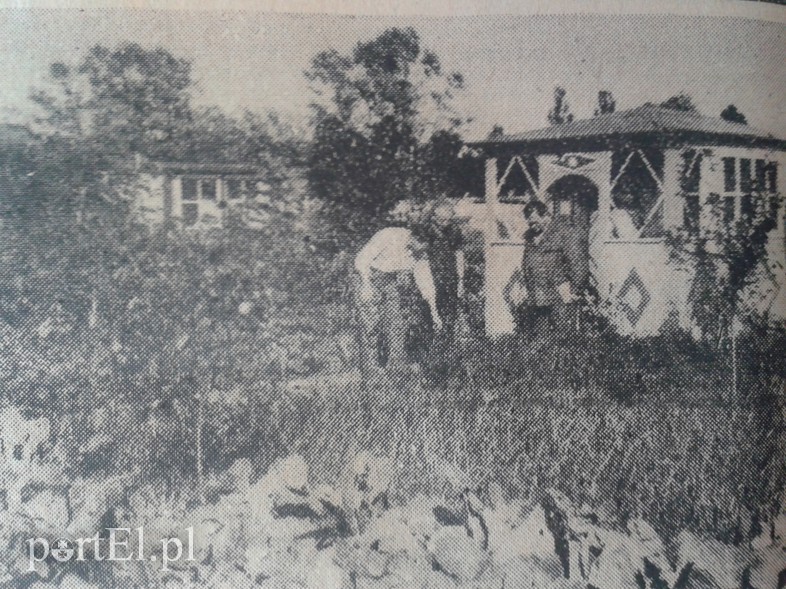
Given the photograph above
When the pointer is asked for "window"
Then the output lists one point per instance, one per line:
(209, 189)
(755, 175)
(189, 189)
(729, 174)
(199, 188)
(236, 189)
(202, 197)
(195, 190)
(746, 181)
(748, 197)
(637, 207)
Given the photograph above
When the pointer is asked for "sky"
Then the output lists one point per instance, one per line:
(511, 64)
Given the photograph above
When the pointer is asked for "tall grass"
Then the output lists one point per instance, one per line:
(631, 428)
(710, 467)
(714, 469)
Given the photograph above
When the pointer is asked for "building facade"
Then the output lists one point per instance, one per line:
(628, 183)
(199, 195)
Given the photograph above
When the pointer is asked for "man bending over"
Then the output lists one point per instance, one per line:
(388, 266)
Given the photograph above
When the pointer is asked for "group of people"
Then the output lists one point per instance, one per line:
(410, 281)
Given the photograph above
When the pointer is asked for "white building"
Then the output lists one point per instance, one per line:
(200, 194)
(628, 180)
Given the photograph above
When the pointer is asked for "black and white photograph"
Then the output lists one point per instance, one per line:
(396, 295)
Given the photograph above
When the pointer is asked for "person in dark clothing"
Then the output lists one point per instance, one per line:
(441, 231)
(547, 271)
(445, 251)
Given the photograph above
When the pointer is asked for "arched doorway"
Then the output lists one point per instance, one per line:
(574, 199)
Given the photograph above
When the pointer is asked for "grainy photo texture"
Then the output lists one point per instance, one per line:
(323, 301)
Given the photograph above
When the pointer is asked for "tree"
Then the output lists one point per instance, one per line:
(731, 114)
(681, 102)
(606, 103)
(560, 112)
(96, 114)
(378, 110)
(138, 305)
(728, 259)
(496, 132)
(443, 172)
(131, 99)
(142, 96)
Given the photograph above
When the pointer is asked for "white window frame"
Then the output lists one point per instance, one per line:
(737, 194)
(199, 178)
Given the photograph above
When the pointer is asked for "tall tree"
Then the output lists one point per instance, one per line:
(131, 98)
(130, 305)
(733, 115)
(95, 114)
(606, 103)
(681, 102)
(377, 110)
(139, 94)
(560, 112)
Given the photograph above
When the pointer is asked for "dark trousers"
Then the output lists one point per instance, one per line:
(534, 321)
(394, 324)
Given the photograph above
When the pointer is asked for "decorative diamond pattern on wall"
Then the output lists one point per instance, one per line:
(633, 297)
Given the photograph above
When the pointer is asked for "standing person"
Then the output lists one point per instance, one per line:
(445, 251)
(547, 271)
(391, 268)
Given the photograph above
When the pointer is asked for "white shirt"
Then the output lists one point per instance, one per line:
(393, 250)
(389, 250)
